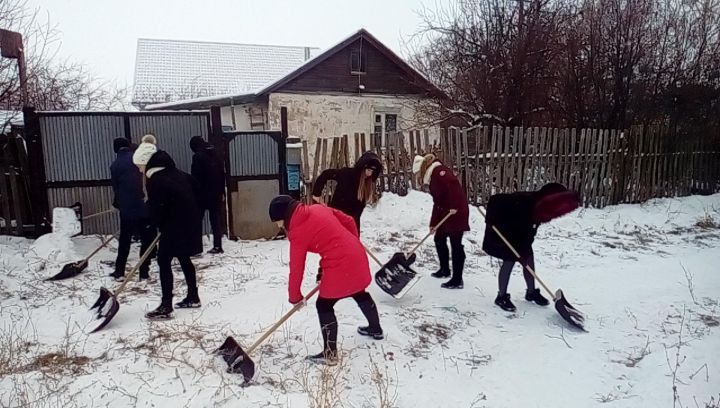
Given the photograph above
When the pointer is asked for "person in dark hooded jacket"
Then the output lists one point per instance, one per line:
(208, 171)
(172, 197)
(517, 216)
(356, 186)
(134, 214)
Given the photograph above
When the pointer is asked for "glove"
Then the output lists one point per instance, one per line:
(295, 301)
(319, 275)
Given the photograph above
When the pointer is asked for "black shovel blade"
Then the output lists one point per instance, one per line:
(69, 270)
(237, 359)
(568, 312)
(395, 275)
(107, 307)
(401, 259)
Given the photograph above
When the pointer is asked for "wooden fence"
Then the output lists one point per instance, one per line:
(605, 166)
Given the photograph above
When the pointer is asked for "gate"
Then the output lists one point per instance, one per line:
(71, 154)
(256, 173)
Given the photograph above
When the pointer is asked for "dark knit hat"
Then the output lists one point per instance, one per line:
(119, 143)
(279, 207)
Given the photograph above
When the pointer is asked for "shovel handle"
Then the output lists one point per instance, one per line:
(282, 320)
(98, 214)
(375, 258)
(515, 252)
(135, 268)
(102, 245)
(432, 231)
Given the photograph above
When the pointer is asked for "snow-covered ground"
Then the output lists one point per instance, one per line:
(645, 275)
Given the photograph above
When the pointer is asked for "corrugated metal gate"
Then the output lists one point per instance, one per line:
(77, 153)
(256, 174)
(70, 154)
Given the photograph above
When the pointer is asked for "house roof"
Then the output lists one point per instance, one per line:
(169, 70)
(295, 72)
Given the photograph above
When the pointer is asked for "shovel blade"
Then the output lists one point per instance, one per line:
(69, 270)
(399, 258)
(237, 359)
(395, 276)
(568, 312)
(107, 307)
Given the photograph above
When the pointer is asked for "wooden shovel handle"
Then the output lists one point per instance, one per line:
(517, 254)
(102, 245)
(98, 214)
(432, 231)
(135, 268)
(282, 320)
(372, 255)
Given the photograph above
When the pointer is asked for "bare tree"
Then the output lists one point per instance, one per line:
(52, 84)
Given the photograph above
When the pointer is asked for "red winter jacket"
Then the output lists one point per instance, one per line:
(333, 235)
(448, 194)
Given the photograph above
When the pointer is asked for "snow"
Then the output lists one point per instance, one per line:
(645, 275)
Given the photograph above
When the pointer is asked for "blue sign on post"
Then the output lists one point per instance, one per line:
(293, 177)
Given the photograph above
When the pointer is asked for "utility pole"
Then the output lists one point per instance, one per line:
(11, 46)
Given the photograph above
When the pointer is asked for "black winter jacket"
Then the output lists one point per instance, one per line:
(208, 171)
(511, 214)
(348, 180)
(172, 197)
(127, 187)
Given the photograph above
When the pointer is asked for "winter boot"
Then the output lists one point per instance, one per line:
(375, 334)
(327, 357)
(504, 302)
(441, 273)
(453, 284)
(535, 296)
(190, 302)
(216, 250)
(164, 311)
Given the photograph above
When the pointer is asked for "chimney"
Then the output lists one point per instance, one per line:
(307, 53)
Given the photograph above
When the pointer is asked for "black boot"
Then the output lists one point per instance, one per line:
(443, 257)
(327, 357)
(458, 264)
(441, 273)
(504, 302)
(535, 296)
(374, 333)
(188, 303)
(164, 311)
(216, 250)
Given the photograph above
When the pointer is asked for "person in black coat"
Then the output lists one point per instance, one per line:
(208, 171)
(134, 214)
(517, 216)
(356, 186)
(172, 197)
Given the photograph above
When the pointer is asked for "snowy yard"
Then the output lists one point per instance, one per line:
(645, 275)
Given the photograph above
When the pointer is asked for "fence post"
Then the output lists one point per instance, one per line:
(39, 195)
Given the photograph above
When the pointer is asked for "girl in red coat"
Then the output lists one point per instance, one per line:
(346, 271)
(448, 197)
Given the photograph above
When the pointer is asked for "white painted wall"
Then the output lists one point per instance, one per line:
(242, 115)
(312, 116)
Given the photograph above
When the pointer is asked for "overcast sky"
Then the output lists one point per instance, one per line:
(103, 33)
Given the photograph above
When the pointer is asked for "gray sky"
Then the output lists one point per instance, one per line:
(103, 33)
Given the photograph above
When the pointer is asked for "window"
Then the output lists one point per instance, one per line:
(358, 61)
(384, 124)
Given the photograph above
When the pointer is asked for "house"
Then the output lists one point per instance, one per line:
(358, 85)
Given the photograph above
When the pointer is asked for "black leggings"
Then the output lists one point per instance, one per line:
(166, 277)
(506, 270)
(328, 321)
(458, 253)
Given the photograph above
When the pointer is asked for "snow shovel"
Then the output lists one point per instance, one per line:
(238, 360)
(396, 277)
(108, 297)
(74, 268)
(563, 307)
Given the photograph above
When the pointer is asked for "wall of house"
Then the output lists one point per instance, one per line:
(313, 116)
(242, 115)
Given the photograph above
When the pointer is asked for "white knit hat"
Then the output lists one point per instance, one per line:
(149, 138)
(143, 153)
(417, 162)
